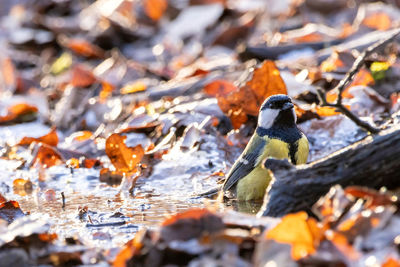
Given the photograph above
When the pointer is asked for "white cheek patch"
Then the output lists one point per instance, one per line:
(267, 117)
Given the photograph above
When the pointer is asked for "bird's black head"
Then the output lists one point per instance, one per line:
(277, 111)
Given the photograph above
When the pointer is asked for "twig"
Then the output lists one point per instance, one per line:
(349, 77)
(63, 200)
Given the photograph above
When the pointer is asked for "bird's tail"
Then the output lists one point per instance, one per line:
(210, 193)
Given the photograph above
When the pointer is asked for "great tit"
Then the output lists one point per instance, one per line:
(276, 136)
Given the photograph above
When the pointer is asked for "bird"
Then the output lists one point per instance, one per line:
(276, 136)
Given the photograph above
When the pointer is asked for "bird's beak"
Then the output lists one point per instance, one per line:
(287, 106)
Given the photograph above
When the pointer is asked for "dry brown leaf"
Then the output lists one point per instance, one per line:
(266, 81)
(309, 38)
(122, 157)
(82, 77)
(342, 244)
(22, 187)
(155, 9)
(19, 113)
(379, 21)
(111, 177)
(47, 156)
(85, 49)
(129, 250)
(219, 88)
(90, 163)
(10, 211)
(50, 139)
(299, 231)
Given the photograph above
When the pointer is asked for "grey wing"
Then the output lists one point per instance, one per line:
(246, 162)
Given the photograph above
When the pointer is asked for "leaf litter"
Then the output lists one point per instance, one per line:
(115, 114)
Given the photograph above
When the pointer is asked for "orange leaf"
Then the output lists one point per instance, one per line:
(379, 21)
(332, 63)
(341, 243)
(326, 111)
(82, 77)
(90, 163)
(10, 210)
(391, 262)
(47, 156)
(84, 48)
(2, 199)
(122, 157)
(189, 214)
(266, 81)
(363, 77)
(129, 250)
(22, 187)
(81, 135)
(50, 139)
(111, 177)
(309, 38)
(154, 9)
(134, 87)
(72, 163)
(299, 231)
(219, 88)
(106, 90)
(19, 113)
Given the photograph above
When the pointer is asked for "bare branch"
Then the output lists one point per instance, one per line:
(358, 63)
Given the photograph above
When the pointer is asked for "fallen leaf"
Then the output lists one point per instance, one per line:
(90, 163)
(10, 210)
(326, 111)
(19, 113)
(72, 163)
(379, 21)
(190, 224)
(130, 249)
(111, 177)
(84, 48)
(82, 77)
(155, 9)
(134, 87)
(81, 136)
(391, 262)
(373, 198)
(309, 38)
(50, 139)
(61, 64)
(341, 243)
(219, 88)
(106, 90)
(22, 187)
(305, 115)
(299, 231)
(266, 81)
(122, 157)
(46, 156)
(2, 199)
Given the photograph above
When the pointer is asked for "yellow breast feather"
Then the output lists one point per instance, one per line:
(274, 148)
(302, 151)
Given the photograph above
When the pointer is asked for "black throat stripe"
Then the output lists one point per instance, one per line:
(289, 135)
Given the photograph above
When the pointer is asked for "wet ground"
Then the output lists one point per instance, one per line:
(108, 216)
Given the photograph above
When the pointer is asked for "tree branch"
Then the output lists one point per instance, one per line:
(358, 63)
